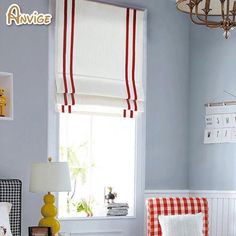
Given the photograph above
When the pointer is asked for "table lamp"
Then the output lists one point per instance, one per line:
(50, 177)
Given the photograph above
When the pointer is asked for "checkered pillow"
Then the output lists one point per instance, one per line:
(10, 191)
(174, 206)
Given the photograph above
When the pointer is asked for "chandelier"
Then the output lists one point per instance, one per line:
(211, 13)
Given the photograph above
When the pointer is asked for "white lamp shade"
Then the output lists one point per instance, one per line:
(50, 177)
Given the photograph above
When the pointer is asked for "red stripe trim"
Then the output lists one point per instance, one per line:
(124, 114)
(72, 51)
(63, 109)
(69, 109)
(64, 52)
(134, 60)
(65, 99)
(72, 99)
(131, 114)
(127, 57)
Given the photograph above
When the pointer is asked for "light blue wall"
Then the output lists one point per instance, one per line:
(167, 97)
(24, 51)
(167, 94)
(212, 71)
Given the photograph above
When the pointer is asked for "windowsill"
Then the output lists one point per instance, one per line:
(96, 218)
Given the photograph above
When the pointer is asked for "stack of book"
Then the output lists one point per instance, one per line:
(117, 209)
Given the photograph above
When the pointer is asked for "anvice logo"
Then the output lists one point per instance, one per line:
(14, 15)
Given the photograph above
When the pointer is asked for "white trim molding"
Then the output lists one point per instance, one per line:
(166, 193)
(222, 207)
(96, 233)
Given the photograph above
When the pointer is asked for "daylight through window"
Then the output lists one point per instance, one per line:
(100, 151)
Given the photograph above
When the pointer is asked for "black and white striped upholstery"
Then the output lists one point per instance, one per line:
(10, 191)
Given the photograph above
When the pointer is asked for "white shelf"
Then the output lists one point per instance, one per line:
(6, 82)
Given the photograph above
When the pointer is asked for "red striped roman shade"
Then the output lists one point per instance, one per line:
(99, 56)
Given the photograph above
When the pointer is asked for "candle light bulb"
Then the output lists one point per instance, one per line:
(234, 7)
(207, 4)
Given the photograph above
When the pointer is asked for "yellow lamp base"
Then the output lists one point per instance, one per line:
(49, 213)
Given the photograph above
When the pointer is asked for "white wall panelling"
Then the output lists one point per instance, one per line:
(222, 211)
(222, 208)
(98, 233)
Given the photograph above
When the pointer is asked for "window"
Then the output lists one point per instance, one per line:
(101, 76)
(100, 151)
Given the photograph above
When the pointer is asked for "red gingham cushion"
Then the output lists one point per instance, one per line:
(174, 206)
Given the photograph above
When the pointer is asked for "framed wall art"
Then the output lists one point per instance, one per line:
(40, 231)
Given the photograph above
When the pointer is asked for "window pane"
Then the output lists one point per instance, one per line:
(101, 153)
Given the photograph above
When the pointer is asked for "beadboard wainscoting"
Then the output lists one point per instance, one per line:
(222, 208)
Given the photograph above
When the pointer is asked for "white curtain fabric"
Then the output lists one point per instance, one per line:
(99, 56)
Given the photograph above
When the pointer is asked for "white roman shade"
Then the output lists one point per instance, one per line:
(99, 55)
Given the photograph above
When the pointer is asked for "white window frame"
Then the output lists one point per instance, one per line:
(133, 216)
(120, 225)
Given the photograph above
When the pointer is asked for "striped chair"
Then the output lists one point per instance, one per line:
(174, 206)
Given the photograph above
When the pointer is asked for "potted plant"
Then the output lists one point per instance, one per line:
(85, 206)
(78, 169)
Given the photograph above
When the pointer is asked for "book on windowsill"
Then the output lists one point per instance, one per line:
(117, 209)
(117, 205)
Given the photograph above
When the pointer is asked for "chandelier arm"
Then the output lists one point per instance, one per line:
(214, 26)
(206, 11)
(197, 14)
(206, 21)
(234, 10)
(228, 12)
(193, 20)
(222, 10)
(210, 24)
(196, 22)
(203, 22)
(227, 20)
